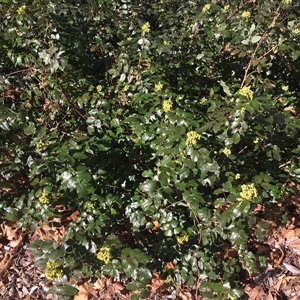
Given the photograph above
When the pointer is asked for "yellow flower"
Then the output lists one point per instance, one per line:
(237, 176)
(243, 109)
(39, 147)
(89, 206)
(286, 2)
(246, 15)
(158, 87)
(203, 100)
(44, 199)
(226, 8)
(166, 43)
(295, 31)
(246, 92)
(167, 105)
(99, 88)
(285, 88)
(146, 28)
(53, 271)
(284, 193)
(248, 192)
(126, 87)
(206, 8)
(104, 255)
(192, 138)
(182, 239)
(21, 9)
(256, 140)
(230, 297)
(226, 151)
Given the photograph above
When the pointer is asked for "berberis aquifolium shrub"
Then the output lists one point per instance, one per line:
(163, 124)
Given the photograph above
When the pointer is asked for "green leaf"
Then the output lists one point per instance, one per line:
(267, 186)
(149, 186)
(11, 217)
(147, 174)
(30, 129)
(255, 39)
(67, 290)
(225, 88)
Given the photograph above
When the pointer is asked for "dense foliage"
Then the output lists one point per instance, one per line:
(163, 124)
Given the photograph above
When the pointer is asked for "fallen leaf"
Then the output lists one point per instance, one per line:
(294, 270)
(255, 292)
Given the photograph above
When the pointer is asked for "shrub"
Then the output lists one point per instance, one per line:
(163, 125)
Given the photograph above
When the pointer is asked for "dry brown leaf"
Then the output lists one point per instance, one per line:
(291, 109)
(255, 293)
(46, 232)
(156, 283)
(277, 256)
(282, 282)
(118, 286)
(288, 233)
(72, 217)
(270, 297)
(5, 263)
(169, 265)
(156, 226)
(11, 232)
(297, 231)
(84, 290)
(185, 296)
(16, 243)
(83, 294)
(293, 242)
(101, 283)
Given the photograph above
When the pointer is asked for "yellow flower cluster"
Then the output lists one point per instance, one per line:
(296, 31)
(192, 138)
(44, 199)
(99, 88)
(53, 271)
(287, 2)
(167, 43)
(246, 15)
(39, 147)
(226, 151)
(158, 87)
(89, 206)
(230, 297)
(167, 105)
(237, 176)
(21, 9)
(246, 92)
(146, 28)
(104, 255)
(182, 239)
(203, 100)
(248, 192)
(206, 8)
(226, 8)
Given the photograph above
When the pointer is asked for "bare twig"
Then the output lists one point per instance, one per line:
(264, 36)
(19, 71)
